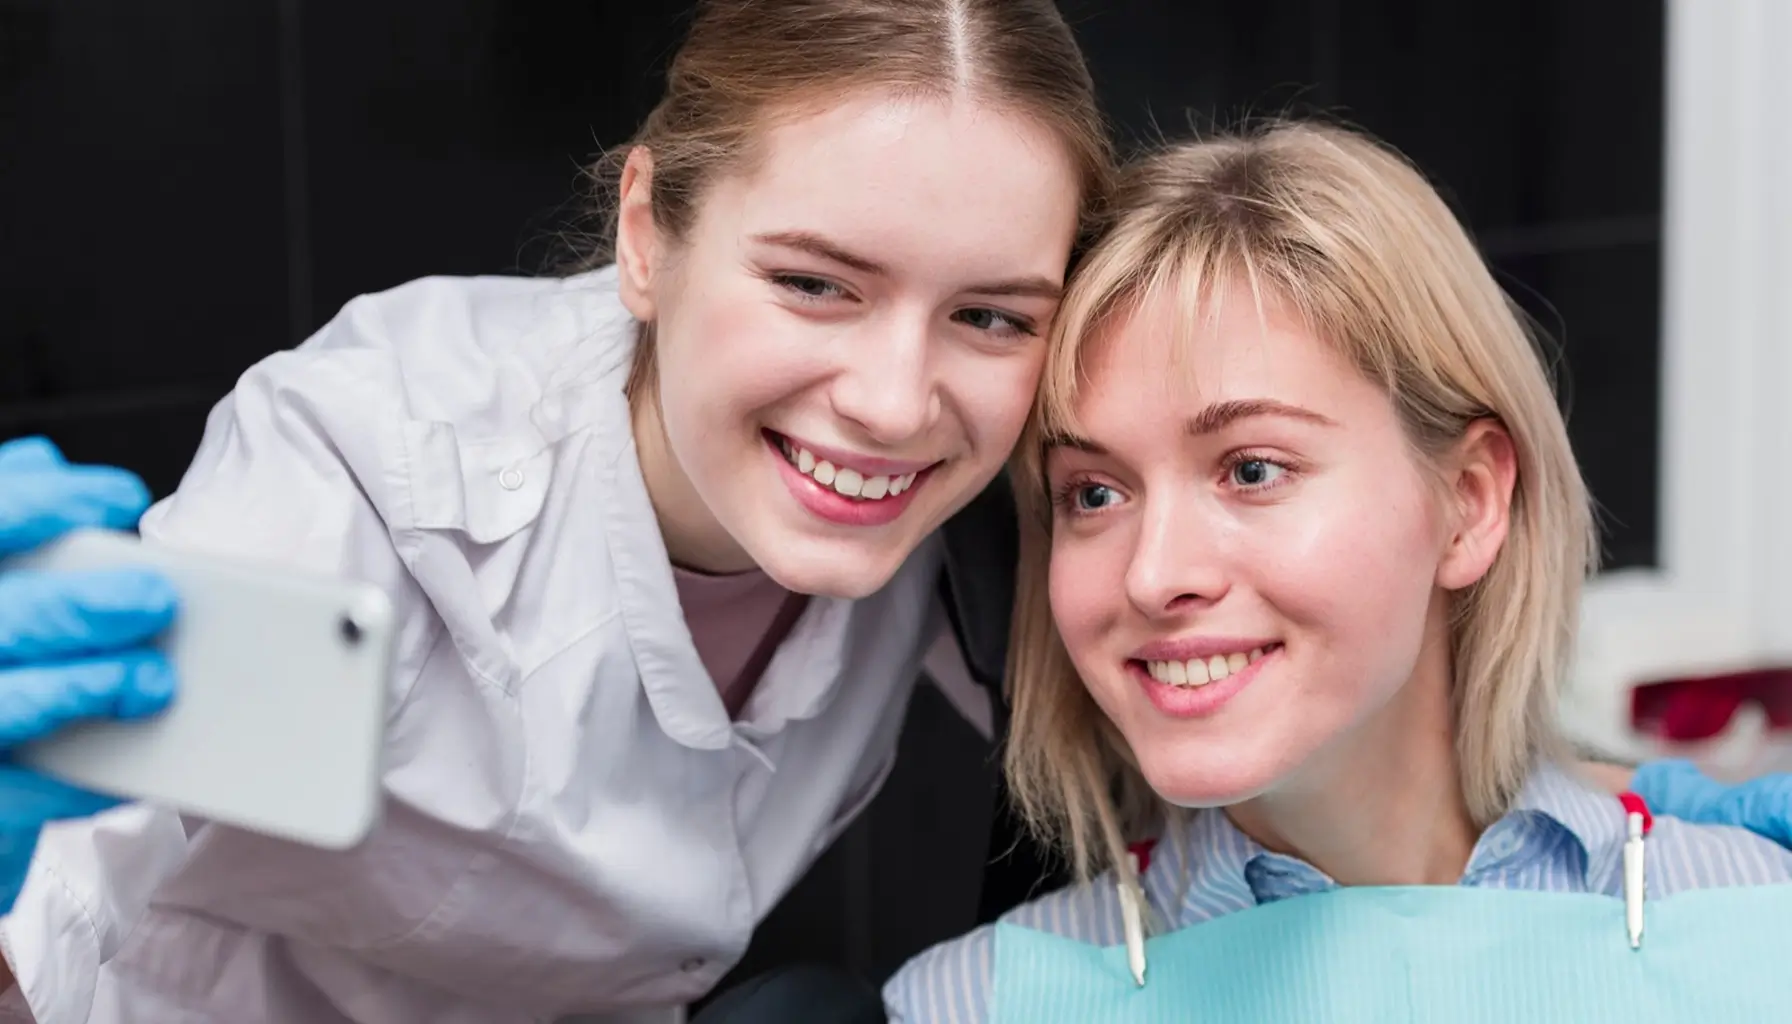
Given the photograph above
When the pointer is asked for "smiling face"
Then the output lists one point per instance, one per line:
(850, 335)
(1245, 552)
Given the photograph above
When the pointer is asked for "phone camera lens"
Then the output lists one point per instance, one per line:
(350, 629)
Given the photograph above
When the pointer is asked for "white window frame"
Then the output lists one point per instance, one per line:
(1721, 597)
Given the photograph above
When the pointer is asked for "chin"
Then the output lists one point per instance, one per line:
(1210, 779)
(824, 570)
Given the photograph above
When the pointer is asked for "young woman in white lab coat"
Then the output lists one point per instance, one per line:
(661, 536)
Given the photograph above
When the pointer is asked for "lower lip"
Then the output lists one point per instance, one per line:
(834, 507)
(1198, 701)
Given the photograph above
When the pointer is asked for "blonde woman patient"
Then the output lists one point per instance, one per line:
(1306, 543)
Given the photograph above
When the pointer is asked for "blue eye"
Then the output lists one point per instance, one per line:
(807, 288)
(1249, 473)
(1082, 498)
(1093, 497)
(993, 321)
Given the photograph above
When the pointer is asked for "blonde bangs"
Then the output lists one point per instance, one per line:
(1132, 270)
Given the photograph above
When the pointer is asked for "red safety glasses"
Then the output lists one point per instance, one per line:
(1700, 708)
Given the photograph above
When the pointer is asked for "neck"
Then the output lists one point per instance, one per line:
(694, 539)
(1383, 804)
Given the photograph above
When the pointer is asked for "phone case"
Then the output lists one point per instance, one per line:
(278, 721)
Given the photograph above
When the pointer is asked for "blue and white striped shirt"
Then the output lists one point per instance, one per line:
(1561, 836)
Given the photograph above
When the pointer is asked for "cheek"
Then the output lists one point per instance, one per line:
(1087, 591)
(1361, 573)
(992, 393)
(1071, 608)
(723, 354)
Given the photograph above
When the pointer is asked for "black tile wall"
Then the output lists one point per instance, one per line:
(141, 220)
(449, 138)
(1597, 304)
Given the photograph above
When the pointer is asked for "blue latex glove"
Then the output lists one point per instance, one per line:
(72, 645)
(1762, 805)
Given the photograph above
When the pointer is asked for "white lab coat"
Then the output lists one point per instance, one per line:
(573, 822)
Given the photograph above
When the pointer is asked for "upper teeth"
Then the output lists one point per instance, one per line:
(843, 479)
(1201, 671)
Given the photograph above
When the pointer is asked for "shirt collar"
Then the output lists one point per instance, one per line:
(1592, 816)
(1229, 870)
(1217, 855)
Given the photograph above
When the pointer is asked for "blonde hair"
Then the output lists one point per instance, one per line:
(745, 62)
(1348, 236)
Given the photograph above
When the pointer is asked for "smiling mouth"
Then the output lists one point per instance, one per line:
(1202, 671)
(844, 480)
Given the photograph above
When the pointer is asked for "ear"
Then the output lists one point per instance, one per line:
(1485, 470)
(638, 243)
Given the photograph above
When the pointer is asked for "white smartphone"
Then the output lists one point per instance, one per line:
(278, 720)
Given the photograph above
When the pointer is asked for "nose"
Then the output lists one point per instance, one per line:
(1177, 563)
(887, 386)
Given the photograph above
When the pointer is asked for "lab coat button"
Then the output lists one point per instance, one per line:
(511, 479)
(693, 965)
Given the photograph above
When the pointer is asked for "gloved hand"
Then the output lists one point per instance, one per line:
(1762, 805)
(72, 645)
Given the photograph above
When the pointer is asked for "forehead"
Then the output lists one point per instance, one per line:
(949, 183)
(1174, 353)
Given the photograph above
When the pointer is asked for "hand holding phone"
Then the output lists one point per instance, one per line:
(279, 721)
(72, 645)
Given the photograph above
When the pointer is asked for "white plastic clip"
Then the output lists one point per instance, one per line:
(1132, 919)
(1633, 878)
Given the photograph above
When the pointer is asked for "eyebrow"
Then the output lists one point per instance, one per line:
(815, 245)
(1221, 415)
(1074, 443)
(1210, 420)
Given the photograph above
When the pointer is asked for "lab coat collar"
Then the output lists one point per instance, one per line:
(684, 699)
(798, 681)
(804, 675)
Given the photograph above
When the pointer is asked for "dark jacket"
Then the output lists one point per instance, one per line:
(982, 550)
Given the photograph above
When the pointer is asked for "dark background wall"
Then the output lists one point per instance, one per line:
(188, 186)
